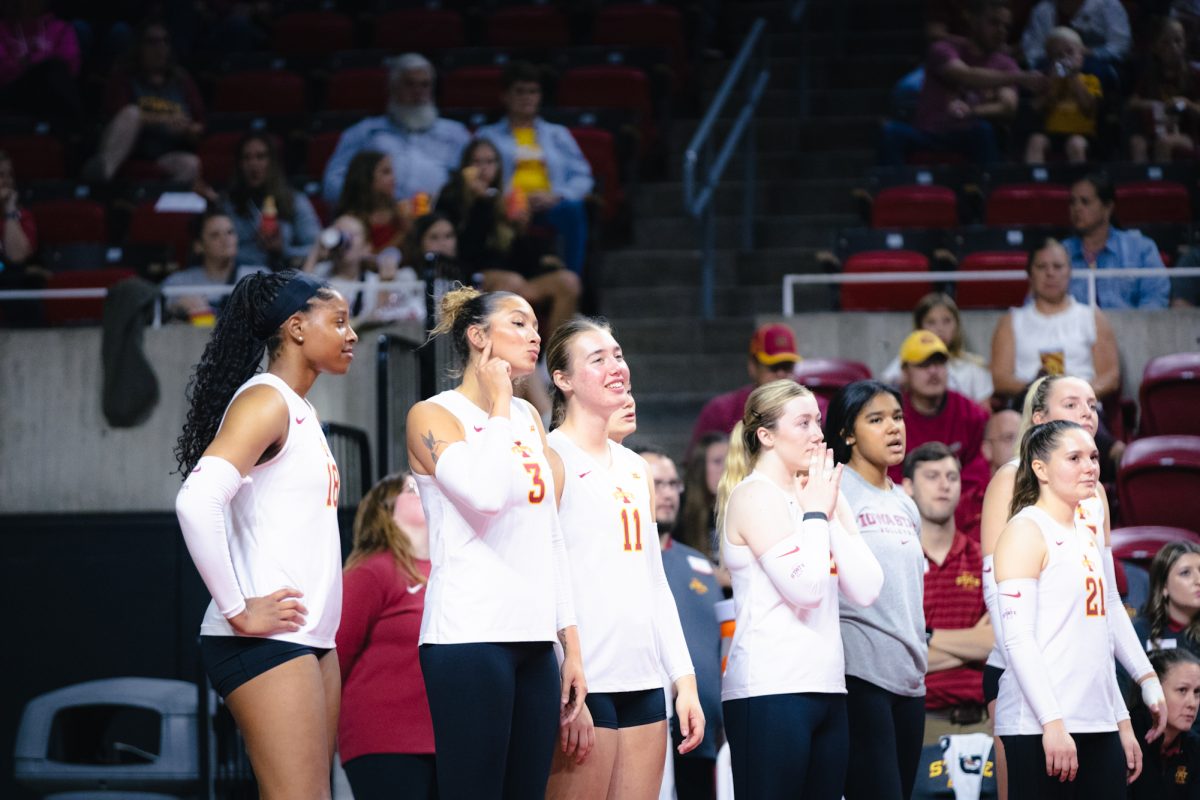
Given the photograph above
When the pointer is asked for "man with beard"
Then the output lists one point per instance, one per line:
(957, 626)
(935, 413)
(690, 576)
(424, 148)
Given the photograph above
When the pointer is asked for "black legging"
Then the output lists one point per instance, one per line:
(393, 776)
(495, 717)
(1101, 773)
(787, 745)
(886, 731)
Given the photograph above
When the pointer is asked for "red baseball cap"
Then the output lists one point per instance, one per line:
(774, 344)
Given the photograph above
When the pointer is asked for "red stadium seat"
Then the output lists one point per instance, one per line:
(1170, 395)
(81, 311)
(423, 30)
(1152, 201)
(35, 157)
(614, 86)
(1157, 482)
(173, 229)
(1140, 543)
(1029, 204)
(825, 376)
(598, 149)
(312, 33)
(70, 220)
(473, 87)
(357, 89)
(992, 294)
(880, 295)
(915, 207)
(320, 148)
(527, 26)
(268, 92)
(644, 25)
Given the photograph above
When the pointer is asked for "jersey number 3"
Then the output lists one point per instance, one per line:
(538, 492)
(1095, 597)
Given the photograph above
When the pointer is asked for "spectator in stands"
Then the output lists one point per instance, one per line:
(39, 64)
(1165, 105)
(349, 261)
(772, 356)
(1000, 438)
(1054, 334)
(1069, 104)
(275, 224)
(694, 586)
(1171, 616)
(697, 524)
(155, 113)
(493, 237)
(969, 86)
(1102, 24)
(424, 148)
(967, 373)
(19, 240)
(216, 244)
(957, 626)
(1171, 765)
(369, 194)
(935, 413)
(543, 162)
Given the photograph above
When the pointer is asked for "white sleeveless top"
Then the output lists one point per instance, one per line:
(492, 577)
(779, 649)
(629, 630)
(1071, 333)
(1072, 635)
(1089, 518)
(282, 525)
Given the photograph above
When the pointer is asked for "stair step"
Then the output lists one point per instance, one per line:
(838, 163)
(770, 197)
(650, 301)
(810, 230)
(783, 135)
(630, 268)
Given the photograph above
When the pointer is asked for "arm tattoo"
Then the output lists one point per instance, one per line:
(432, 444)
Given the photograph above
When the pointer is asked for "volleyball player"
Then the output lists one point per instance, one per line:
(629, 627)
(1060, 397)
(791, 544)
(886, 644)
(499, 586)
(253, 452)
(1058, 706)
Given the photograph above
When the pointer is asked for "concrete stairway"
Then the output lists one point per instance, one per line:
(806, 168)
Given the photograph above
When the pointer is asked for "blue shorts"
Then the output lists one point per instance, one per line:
(616, 710)
(231, 661)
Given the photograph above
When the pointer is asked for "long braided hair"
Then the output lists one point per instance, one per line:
(233, 355)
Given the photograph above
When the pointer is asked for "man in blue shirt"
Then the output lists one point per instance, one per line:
(1098, 245)
(424, 148)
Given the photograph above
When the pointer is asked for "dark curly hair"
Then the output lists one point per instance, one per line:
(232, 356)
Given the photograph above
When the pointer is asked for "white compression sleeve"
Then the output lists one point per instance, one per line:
(993, 608)
(479, 474)
(564, 614)
(798, 566)
(1018, 608)
(200, 506)
(859, 575)
(672, 646)
(1127, 648)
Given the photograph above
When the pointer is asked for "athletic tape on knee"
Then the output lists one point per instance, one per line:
(200, 506)
(1018, 608)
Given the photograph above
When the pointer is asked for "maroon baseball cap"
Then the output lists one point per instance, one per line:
(774, 344)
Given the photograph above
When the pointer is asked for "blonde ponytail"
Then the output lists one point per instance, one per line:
(738, 463)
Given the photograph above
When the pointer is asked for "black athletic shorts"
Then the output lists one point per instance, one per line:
(230, 661)
(991, 683)
(618, 710)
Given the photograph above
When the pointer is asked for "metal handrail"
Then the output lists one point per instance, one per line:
(967, 276)
(698, 200)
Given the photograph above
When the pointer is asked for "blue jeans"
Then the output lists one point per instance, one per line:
(569, 219)
(977, 143)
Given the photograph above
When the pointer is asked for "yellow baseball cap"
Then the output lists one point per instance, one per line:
(920, 346)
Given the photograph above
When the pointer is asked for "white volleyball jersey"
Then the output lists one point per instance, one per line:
(779, 649)
(492, 578)
(282, 526)
(1089, 517)
(629, 630)
(1071, 631)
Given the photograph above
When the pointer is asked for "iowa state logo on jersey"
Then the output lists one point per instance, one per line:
(622, 496)
(522, 450)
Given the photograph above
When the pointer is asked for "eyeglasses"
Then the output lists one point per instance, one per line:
(677, 485)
